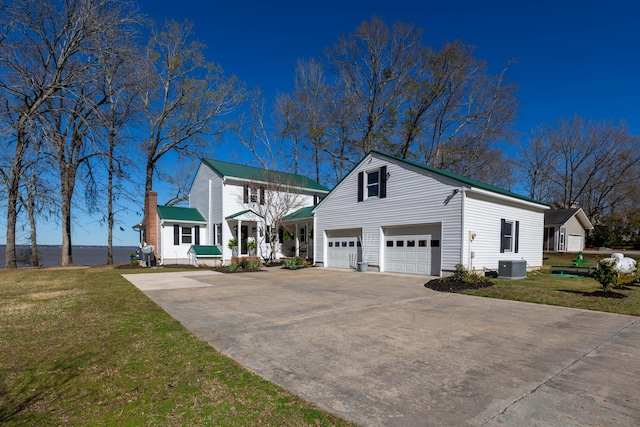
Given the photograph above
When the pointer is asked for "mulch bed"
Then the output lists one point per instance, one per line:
(450, 285)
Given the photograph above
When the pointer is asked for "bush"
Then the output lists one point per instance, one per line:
(607, 274)
(295, 263)
(244, 265)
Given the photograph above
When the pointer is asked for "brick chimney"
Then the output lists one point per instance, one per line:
(151, 219)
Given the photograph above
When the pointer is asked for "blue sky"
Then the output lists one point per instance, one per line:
(572, 57)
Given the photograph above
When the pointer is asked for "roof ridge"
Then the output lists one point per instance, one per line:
(461, 178)
(236, 170)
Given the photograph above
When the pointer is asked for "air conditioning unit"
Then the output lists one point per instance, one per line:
(511, 269)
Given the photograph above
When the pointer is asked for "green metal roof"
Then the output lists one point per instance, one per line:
(262, 175)
(303, 213)
(205, 251)
(177, 213)
(460, 178)
(237, 214)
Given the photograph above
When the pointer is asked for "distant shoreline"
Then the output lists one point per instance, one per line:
(50, 255)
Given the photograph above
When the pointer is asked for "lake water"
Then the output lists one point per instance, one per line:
(50, 255)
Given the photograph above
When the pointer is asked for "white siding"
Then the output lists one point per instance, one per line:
(176, 254)
(414, 197)
(200, 198)
(482, 216)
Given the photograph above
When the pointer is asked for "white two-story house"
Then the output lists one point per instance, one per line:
(230, 202)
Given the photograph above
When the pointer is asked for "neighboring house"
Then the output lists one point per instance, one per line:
(249, 203)
(226, 201)
(565, 230)
(417, 219)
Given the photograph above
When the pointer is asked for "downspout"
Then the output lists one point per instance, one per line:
(463, 225)
(209, 222)
(315, 256)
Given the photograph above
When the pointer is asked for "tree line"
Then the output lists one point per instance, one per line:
(92, 93)
(84, 96)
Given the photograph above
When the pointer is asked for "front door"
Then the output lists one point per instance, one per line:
(243, 239)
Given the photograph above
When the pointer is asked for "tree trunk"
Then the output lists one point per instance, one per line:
(12, 214)
(110, 200)
(12, 196)
(31, 210)
(66, 197)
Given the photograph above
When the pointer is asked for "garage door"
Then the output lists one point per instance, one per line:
(574, 243)
(412, 250)
(342, 248)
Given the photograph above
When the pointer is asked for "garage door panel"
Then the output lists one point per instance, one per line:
(408, 249)
(342, 249)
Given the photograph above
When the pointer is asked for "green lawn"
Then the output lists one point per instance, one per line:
(543, 288)
(82, 346)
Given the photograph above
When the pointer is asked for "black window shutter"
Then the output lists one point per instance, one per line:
(502, 227)
(516, 237)
(383, 182)
(176, 234)
(360, 186)
(262, 195)
(246, 193)
(197, 233)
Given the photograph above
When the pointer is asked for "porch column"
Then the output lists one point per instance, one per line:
(297, 234)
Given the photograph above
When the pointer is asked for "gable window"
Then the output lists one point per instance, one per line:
(372, 183)
(509, 235)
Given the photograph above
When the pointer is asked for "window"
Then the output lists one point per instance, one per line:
(422, 243)
(389, 243)
(374, 182)
(253, 194)
(411, 243)
(344, 244)
(217, 234)
(400, 244)
(509, 231)
(303, 234)
(352, 244)
(186, 235)
(330, 244)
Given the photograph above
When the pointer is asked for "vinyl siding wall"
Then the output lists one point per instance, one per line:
(414, 197)
(483, 215)
(177, 254)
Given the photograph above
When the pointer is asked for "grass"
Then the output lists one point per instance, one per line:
(82, 346)
(585, 293)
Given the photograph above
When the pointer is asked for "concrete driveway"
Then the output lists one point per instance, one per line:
(381, 349)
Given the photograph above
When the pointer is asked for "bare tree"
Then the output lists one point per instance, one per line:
(593, 164)
(183, 94)
(276, 198)
(380, 88)
(47, 49)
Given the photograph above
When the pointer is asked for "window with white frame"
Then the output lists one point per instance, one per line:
(372, 183)
(509, 234)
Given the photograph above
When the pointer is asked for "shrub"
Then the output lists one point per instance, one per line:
(461, 273)
(244, 265)
(295, 263)
(606, 274)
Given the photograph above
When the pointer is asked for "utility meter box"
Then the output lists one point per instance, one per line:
(510, 269)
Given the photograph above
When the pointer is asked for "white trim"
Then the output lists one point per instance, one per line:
(507, 198)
